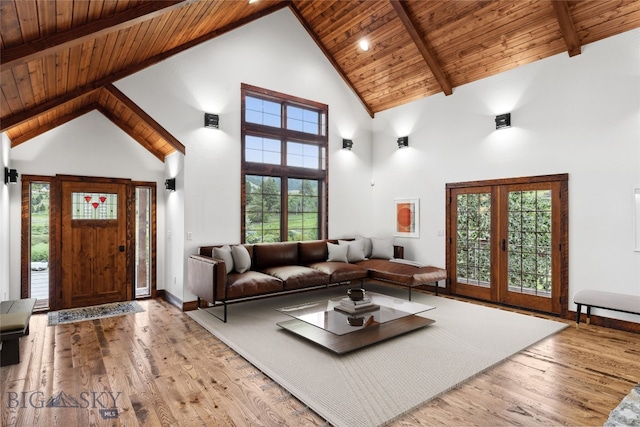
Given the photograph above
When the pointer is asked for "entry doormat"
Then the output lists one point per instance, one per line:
(94, 312)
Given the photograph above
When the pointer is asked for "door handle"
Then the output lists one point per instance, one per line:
(121, 248)
(504, 245)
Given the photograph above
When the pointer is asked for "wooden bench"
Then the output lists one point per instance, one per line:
(14, 323)
(605, 300)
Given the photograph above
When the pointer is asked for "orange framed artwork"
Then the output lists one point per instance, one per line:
(407, 215)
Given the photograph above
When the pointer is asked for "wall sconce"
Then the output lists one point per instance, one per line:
(211, 121)
(503, 121)
(10, 176)
(347, 144)
(403, 141)
(170, 184)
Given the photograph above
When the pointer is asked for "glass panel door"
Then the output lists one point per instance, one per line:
(531, 233)
(508, 241)
(529, 238)
(472, 242)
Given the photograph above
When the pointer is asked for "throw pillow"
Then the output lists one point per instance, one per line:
(382, 247)
(367, 245)
(337, 253)
(224, 253)
(356, 249)
(241, 258)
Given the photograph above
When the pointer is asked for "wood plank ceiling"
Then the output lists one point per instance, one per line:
(60, 58)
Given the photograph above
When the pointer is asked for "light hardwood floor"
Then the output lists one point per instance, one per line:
(161, 368)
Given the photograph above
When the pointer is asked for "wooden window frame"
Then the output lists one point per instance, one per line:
(283, 171)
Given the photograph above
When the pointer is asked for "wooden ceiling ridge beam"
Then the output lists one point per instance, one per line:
(420, 43)
(330, 57)
(47, 45)
(135, 109)
(567, 27)
(59, 121)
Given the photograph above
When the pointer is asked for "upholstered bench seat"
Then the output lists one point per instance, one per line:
(605, 300)
(14, 323)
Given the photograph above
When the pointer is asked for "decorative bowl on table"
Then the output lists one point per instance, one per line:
(356, 294)
(355, 321)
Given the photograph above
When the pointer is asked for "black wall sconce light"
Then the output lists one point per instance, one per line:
(503, 121)
(211, 121)
(347, 144)
(403, 141)
(170, 184)
(10, 176)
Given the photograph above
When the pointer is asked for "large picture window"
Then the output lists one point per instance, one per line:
(284, 167)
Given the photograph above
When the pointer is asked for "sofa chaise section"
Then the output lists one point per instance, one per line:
(401, 274)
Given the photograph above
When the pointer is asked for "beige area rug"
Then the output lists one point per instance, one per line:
(377, 384)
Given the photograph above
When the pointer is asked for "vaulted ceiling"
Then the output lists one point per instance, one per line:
(60, 58)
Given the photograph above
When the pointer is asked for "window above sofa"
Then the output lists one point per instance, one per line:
(284, 167)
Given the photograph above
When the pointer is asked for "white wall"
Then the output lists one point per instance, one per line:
(274, 53)
(577, 115)
(174, 229)
(5, 229)
(90, 145)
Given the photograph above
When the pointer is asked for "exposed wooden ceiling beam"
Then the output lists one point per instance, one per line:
(329, 56)
(128, 103)
(567, 27)
(420, 43)
(52, 124)
(48, 45)
(23, 116)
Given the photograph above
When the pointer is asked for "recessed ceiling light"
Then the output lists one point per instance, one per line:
(364, 45)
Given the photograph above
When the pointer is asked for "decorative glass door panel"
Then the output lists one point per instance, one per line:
(88, 205)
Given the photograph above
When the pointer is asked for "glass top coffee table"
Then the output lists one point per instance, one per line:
(328, 324)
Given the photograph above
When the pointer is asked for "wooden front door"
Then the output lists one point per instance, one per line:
(94, 243)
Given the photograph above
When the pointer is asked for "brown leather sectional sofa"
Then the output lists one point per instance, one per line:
(290, 266)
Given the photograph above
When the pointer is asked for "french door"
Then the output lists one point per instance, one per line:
(508, 241)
